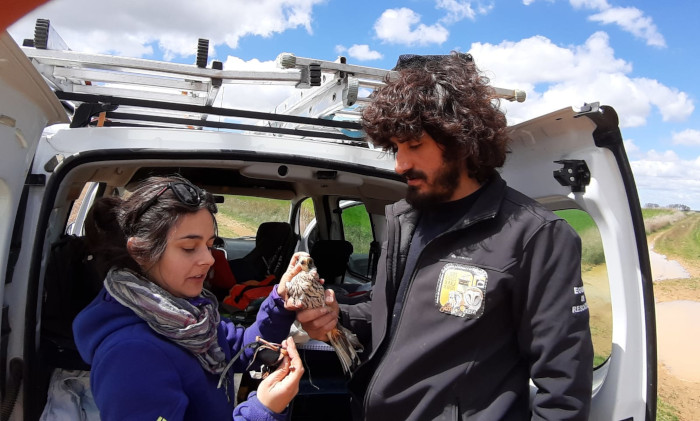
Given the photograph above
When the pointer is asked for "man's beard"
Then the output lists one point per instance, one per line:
(440, 190)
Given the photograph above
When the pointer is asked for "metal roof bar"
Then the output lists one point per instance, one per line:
(224, 112)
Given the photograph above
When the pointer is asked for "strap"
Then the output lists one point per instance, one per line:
(223, 378)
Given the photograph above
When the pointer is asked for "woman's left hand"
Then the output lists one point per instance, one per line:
(278, 389)
(292, 270)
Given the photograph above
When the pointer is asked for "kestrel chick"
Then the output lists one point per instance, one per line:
(306, 291)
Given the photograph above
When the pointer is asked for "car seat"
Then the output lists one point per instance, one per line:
(274, 246)
(257, 272)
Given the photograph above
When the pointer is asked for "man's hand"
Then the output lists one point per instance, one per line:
(282, 385)
(317, 322)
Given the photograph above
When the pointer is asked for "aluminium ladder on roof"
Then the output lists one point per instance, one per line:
(339, 93)
(183, 95)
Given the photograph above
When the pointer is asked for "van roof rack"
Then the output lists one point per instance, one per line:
(106, 90)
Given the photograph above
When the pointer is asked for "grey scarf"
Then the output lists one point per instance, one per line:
(193, 328)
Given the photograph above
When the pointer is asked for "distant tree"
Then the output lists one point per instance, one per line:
(680, 207)
(651, 206)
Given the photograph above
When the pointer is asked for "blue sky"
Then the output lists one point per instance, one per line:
(640, 57)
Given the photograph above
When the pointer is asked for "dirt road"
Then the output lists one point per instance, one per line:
(678, 336)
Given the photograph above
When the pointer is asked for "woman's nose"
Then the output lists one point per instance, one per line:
(207, 257)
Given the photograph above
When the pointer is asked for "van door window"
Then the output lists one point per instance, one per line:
(239, 217)
(595, 282)
(357, 229)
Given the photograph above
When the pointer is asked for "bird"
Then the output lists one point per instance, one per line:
(307, 292)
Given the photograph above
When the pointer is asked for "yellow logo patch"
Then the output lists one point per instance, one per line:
(461, 290)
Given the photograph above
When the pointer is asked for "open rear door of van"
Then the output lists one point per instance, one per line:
(27, 106)
(574, 163)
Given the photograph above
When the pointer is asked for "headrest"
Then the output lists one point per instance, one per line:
(271, 235)
(331, 257)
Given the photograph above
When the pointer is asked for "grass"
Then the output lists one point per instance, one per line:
(666, 412)
(658, 221)
(682, 239)
(357, 228)
(579, 220)
(592, 253)
(252, 211)
(648, 213)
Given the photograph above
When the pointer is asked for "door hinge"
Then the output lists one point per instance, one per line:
(574, 173)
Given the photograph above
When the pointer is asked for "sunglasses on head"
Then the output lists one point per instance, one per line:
(186, 193)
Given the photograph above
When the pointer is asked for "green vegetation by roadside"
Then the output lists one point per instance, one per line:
(681, 239)
(666, 412)
(650, 213)
(658, 219)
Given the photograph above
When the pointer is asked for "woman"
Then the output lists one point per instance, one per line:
(153, 335)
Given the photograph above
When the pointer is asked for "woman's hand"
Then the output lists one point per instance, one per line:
(278, 389)
(292, 270)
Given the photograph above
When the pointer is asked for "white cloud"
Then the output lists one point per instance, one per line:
(590, 4)
(688, 137)
(664, 178)
(131, 29)
(560, 76)
(363, 53)
(633, 21)
(458, 10)
(402, 26)
(631, 148)
(360, 52)
(629, 19)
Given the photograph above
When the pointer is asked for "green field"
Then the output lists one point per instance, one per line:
(253, 211)
(681, 239)
(650, 213)
(592, 246)
(357, 228)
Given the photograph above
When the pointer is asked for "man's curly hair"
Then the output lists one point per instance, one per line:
(449, 99)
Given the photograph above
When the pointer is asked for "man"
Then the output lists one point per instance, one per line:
(478, 287)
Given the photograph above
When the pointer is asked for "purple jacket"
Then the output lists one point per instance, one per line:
(139, 375)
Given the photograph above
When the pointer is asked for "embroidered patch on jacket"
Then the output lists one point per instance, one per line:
(461, 290)
(581, 299)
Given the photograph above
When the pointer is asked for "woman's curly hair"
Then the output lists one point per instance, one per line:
(449, 99)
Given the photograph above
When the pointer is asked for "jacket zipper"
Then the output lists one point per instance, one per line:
(375, 376)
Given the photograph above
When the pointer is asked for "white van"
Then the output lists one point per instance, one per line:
(306, 165)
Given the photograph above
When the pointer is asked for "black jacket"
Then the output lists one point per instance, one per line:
(494, 301)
